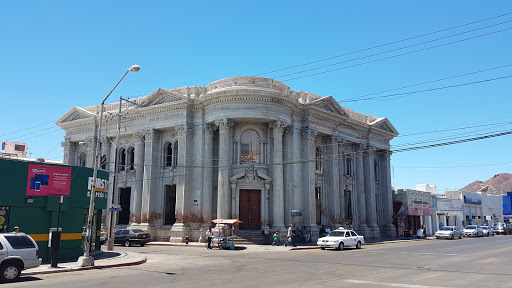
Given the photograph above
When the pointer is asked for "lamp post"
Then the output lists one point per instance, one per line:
(114, 199)
(87, 260)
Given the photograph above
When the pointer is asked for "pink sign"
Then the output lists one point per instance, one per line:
(48, 180)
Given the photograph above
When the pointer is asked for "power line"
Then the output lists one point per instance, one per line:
(429, 90)
(386, 44)
(398, 55)
(427, 82)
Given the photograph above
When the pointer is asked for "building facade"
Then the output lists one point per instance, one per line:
(247, 148)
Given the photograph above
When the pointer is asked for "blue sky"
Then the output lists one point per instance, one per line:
(60, 54)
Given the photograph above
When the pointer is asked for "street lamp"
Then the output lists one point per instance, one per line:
(87, 260)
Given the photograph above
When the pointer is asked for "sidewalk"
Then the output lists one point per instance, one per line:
(300, 246)
(106, 259)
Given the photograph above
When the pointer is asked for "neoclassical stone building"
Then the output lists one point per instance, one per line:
(244, 147)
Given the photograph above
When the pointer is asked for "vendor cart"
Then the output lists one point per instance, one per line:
(224, 233)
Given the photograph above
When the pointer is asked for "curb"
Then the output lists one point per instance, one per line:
(138, 262)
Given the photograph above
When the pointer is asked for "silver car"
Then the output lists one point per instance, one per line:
(488, 231)
(18, 251)
(473, 231)
(449, 232)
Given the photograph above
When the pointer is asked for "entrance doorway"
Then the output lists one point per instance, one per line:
(124, 201)
(250, 209)
(170, 205)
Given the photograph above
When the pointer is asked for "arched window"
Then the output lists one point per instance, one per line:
(131, 158)
(122, 159)
(348, 166)
(104, 162)
(318, 160)
(168, 155)
(249, 147)
(82, 159)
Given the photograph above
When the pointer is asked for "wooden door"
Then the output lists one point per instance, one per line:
(250, 209)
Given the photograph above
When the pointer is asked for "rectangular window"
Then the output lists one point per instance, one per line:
(19, 147)
(20, 242)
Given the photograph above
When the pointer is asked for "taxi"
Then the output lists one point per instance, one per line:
(341, 238)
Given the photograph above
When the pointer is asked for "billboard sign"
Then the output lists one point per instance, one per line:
(449, 204)
(48, 180)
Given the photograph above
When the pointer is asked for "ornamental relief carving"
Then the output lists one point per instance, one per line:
(165, 117)
(80, 131)
(184, 130)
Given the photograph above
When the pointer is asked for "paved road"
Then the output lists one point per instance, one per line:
(480, 262)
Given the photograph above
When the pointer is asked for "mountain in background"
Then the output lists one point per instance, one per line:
(499, 184)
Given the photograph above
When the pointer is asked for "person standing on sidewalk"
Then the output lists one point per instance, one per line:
(209, 236)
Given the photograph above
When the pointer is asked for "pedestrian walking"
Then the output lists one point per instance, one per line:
(290, 237)
(276, 239)
(209, 236)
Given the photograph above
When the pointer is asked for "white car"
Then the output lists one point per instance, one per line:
(18, 251)
(449, 232)
(339, 239)
(473, 230)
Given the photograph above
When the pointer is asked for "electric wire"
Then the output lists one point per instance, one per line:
(385, 44)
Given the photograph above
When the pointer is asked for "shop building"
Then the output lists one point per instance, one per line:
(37, 197)
(413, 208)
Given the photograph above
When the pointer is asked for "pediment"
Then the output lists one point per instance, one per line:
(161, 96)
(250, 174)
(75, 113)
(329, 104)
(384, 125)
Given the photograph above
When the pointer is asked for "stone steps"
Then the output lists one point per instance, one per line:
(248, 237)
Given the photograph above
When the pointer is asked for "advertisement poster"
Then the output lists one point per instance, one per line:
(48, 180)
(4, 219)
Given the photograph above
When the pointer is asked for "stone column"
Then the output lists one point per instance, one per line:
(139, 177)
(181, 228)
(277, 173)
(237, 153)
(90, 148)
(332, 177)
(309, 181)
(369, 186)
(387, 195)
(207, 175)
(70, 151)
(360, 192)
(149, 214)
(105, 151)
(288, 176)
(297, 188)
(224, 193)
(341, 177)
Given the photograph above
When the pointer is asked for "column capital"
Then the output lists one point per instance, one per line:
(184, 130)
(309, 134)
(105, 141)
(139, 135)
(224, 125)
(151, 135)
(278, 127)
(90, 142)
(332, 139)
(209, 129)
(69, 145)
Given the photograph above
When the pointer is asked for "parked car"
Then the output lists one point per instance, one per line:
(341, 238)
(18, 252)
(501, 228)
(127, 237)
(103, 237)
(473, 231)
(488, 231)
(449, 232)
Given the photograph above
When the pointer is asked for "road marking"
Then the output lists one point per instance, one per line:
(390, 284)
(442, 254)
